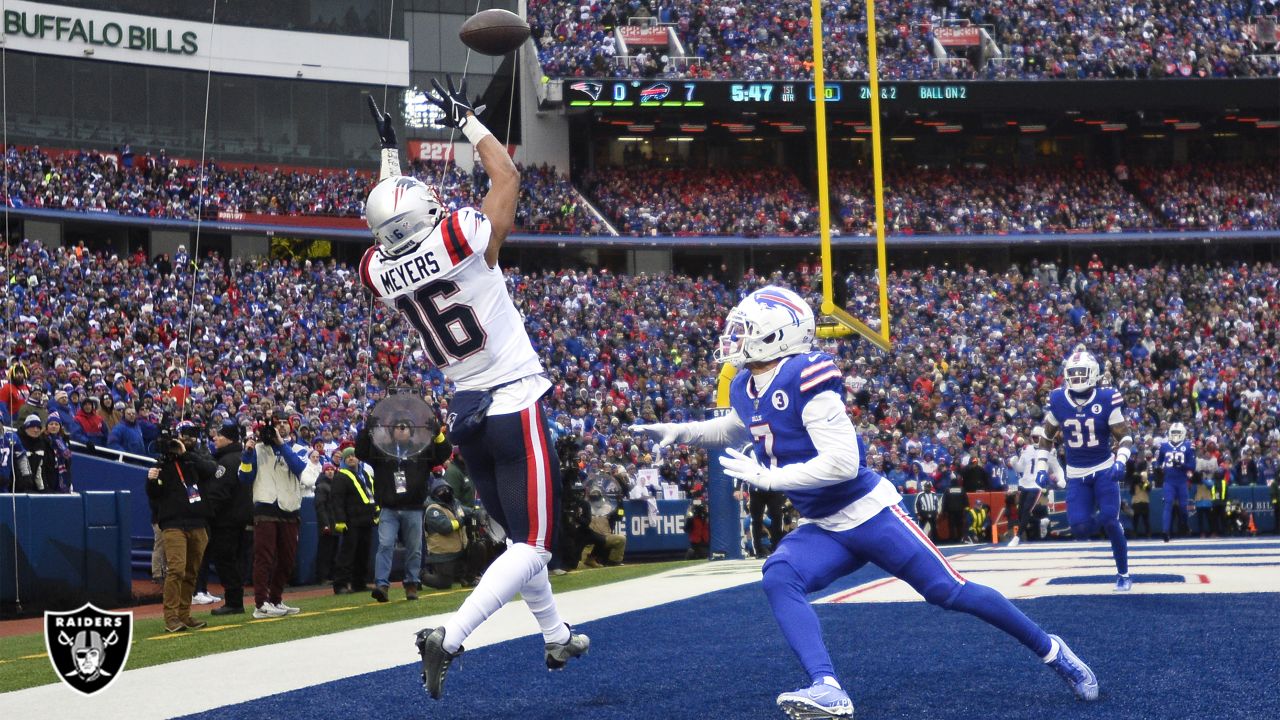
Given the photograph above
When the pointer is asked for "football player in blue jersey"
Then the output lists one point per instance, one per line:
(788, 406)
(1177, 459)
(1089, 418)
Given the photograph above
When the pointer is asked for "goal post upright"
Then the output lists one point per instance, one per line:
(880, 338)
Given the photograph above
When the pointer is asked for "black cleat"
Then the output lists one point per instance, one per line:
(435, 660)
(559, 654)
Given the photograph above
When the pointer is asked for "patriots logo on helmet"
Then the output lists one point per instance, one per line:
(592, 89)
(655, 93)
(403, 184)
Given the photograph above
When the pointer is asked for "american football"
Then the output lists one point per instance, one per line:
(494, 32)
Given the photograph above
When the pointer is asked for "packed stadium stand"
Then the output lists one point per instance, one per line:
(1196, 343)
(962, 200)
(1026, 39)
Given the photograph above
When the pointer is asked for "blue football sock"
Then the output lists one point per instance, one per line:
(799, 623)
(1119, 545)
(983, 602)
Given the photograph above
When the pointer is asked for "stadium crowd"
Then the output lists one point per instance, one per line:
(97, 337)
(976, 200)
(969, 199)
(158, 185)
(707, 202)
(1023, 39)
(1213, 195)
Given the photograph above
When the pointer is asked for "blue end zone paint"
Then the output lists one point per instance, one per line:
(721, 656)
(1261, 545)
(1109, 579)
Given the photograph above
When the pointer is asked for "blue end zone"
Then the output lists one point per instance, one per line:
(1109, 579)
(721, 656)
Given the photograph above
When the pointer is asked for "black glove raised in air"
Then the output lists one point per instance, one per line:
(453, 102)
(382, 121)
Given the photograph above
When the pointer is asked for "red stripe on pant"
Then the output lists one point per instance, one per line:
(924, 539)
(532, 481)
(541, 440)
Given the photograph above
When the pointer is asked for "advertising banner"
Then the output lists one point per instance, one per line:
(146, 40)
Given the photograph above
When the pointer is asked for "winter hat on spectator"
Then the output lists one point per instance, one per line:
(230, 431)
(54, 417)
(33, 420)
(348, 452)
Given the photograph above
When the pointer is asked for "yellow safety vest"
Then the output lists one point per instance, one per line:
(364, 496)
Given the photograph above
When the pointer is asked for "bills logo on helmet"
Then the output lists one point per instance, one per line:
(654, 93)
(88, 647)
(592, 89)
(775, 300)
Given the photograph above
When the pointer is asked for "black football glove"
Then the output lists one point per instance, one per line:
(453, 102)
(382, 121)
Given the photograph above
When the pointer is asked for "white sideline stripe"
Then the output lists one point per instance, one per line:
(184, 687)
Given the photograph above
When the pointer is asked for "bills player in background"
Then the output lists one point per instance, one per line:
(440, 270)
(1090, 418)
(1177, 460)
(1029, 487)
(788, 406)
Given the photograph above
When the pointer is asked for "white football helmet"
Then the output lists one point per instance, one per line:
(1081, 371)
(1177, 433)
(401, 211)
(770, 323)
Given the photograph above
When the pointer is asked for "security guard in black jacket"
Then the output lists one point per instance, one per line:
(231, 510)
(355, 512)
(400, 480)
(328, 540)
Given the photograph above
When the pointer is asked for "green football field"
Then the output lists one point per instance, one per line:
(23, 662)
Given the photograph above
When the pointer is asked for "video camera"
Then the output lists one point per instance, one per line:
(169, 446)
(264, 430)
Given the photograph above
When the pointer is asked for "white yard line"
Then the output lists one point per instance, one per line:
(1205, 566)
(213, 681)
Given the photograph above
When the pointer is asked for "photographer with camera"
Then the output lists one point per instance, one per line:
(401, 476)
(608, 545)
(697, 525)
(575, 528)
(273, 467)
(176, 489)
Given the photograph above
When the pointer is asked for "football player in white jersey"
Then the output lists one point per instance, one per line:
(440, 270)
(788, 406)
(1029, 480)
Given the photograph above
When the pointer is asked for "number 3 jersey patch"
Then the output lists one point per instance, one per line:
(459, 306)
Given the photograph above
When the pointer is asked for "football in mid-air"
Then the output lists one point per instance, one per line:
(494, 32)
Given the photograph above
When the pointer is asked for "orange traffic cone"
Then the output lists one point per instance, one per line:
(1253, 528)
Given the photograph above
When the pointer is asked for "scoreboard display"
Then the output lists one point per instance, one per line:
(783, 97)
(748, 95)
